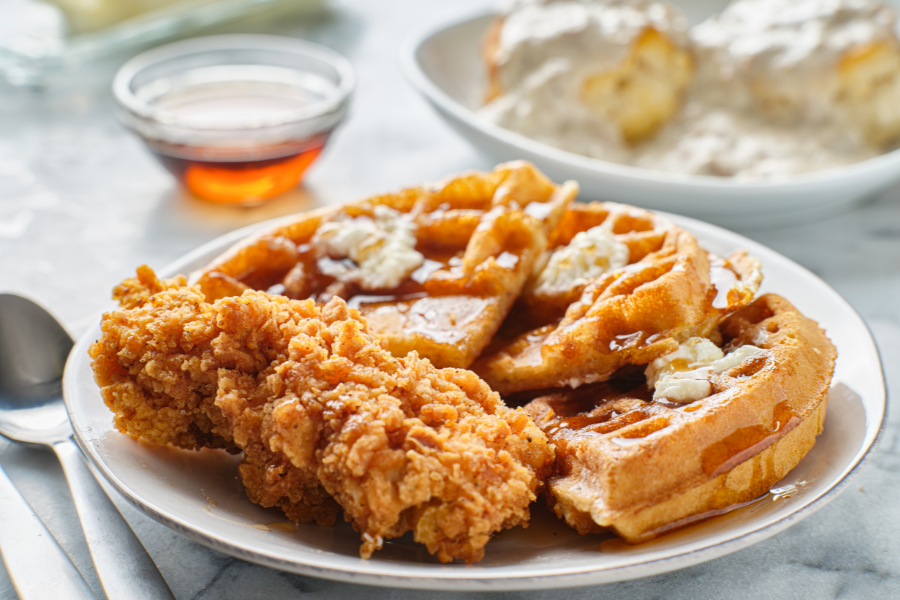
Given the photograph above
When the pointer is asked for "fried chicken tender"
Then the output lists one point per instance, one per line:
(399, 444)
(156, 367)
(322, 410)
(161, 362)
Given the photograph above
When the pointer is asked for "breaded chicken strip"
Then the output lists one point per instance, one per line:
(399, 444)
(160, 363)
(156, 367)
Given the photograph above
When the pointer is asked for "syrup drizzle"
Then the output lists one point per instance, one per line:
(788, 491)
(277, 526)
(360, 299)
(782, 493)
(701, 517)
(282, 527)
(746, 442)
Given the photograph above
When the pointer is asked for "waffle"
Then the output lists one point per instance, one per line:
(671, 290)
(630, 76)
(546, 299)
(642, 466)
(477, 237)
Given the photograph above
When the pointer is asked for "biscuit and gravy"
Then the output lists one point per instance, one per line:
(763, 89)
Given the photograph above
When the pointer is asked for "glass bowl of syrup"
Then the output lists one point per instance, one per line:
(235, 118)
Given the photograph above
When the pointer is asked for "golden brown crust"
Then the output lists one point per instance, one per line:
(329, 420)
(869, 90)
(630, 315)
(399, 444)
(638, 466)
(489, 46)
(155, 365)
(746, 482)
(135, 291)
(163, 360)
(642, 231)
(270, 480)
(484, 232)
(645, 90)
(326, 417)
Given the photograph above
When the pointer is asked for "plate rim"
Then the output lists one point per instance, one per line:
(423, 83)
(439, 575)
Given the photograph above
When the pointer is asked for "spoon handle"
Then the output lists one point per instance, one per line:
(125, 569)
(37, 565)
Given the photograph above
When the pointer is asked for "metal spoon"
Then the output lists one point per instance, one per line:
(33, 351)
(38, 567)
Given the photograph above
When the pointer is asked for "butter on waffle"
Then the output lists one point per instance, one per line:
(671, 290)
(643, 467)
(638, 231)
(459, 253)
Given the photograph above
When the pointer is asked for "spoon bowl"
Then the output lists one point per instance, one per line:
(33, 351)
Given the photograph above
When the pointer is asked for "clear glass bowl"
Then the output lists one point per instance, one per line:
(236, 118)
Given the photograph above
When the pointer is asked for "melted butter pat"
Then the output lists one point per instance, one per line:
(590, 254)
(374, 253)
(683, 375)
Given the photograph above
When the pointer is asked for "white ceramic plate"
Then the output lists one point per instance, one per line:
(444, 64)
(199, 494)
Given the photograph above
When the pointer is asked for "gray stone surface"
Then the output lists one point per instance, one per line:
(82, 204)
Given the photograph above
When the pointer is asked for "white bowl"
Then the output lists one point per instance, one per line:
(443, 62)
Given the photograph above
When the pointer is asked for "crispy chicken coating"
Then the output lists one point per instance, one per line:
(162, 361)
(156, 365)
(321, 411)
(399, 444)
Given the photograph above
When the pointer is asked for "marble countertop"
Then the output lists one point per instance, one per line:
(82, 204)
